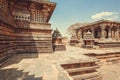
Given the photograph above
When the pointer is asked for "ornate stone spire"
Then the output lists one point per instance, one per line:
(56, 34)
(57, 41)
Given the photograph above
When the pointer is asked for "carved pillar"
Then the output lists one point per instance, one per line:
(80, 34)
(117, 33)
(110, 32)
(35, 16)
(31, 15)
(103, 32)
(83, 33)
(93, 31)
(39, 16)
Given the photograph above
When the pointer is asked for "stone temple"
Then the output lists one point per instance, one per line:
(26, 41)
(24, 27)
(105, 32)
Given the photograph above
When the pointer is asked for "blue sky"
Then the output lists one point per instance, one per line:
(68, 12)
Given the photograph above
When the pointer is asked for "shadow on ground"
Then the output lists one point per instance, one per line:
(15, 74)
(17, 58)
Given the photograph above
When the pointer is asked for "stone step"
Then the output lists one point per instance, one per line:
(33, 41)
(33, 44)
(81, 69)
(113, 59)
(105, 57)
(95, 78)
(37, 52)
(78, 65)
(30, 38)
(4, 56)
(37, 47)
(7, 49)
(85, 76)
(34, 51)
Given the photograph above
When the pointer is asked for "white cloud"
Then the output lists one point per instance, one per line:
(105, 15)
(113, 18)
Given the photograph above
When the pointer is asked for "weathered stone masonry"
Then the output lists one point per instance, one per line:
(24, 27)
(105, 32)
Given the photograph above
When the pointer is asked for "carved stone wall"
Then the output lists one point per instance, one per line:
(24, 32)
(7, 37)
(106, 33)
(7, 45)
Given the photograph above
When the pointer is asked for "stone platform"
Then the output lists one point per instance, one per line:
(48, 66)
(108, 44)
(59, 47)
(106, 56)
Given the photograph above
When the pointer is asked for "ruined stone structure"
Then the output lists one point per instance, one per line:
(57, 41)
(106, 33)
(24, 27)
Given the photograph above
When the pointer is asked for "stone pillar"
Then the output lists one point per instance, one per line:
(35, 16)
(93, 31)
(32, 15)
(110, 33)
(80, 34)
(103, 32)
(84, 33)
(117, 33)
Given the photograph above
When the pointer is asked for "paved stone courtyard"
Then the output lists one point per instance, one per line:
(110, 72)
(43, 66)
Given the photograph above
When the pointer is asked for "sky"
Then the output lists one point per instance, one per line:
(68, 12)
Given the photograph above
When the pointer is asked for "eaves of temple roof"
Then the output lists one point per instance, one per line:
(98, 22)
(42, 1)
(47, 5)
(52, 5)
